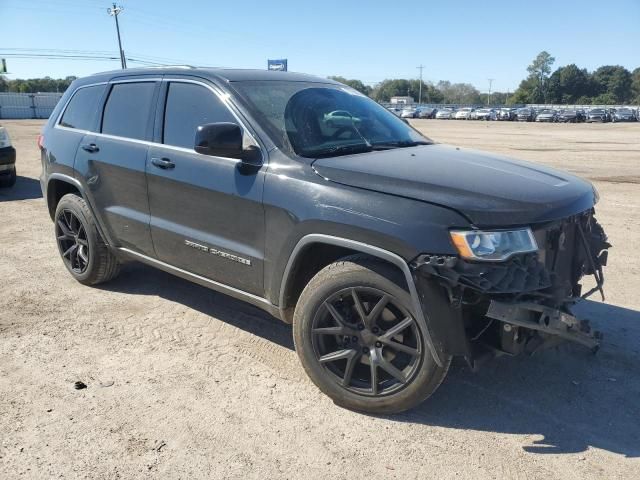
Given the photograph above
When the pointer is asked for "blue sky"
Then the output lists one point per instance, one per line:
(461, 41)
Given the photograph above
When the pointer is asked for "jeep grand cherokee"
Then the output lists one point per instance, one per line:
(388, 253)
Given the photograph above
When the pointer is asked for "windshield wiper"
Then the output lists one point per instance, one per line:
(398, 144)
(340, 150)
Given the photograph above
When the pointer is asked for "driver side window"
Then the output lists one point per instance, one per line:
(189, 106)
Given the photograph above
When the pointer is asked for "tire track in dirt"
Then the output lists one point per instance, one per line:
(209, 342)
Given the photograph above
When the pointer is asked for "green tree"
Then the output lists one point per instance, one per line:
(497, 98)
(355, 84)
(400, 87)
(34, 85)
(615, 81)
(524, 92)
(464, 93)
(540, 69)
(635, 86)
(584, 100)
(534, 88)
(567, 84)
(606, 98)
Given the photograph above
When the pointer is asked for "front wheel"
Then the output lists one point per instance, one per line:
(358, 339)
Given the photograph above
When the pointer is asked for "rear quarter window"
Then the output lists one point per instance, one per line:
(81, 110)
(128, 108)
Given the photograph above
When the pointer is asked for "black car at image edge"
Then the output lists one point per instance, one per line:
(7, 160)
(388, 253)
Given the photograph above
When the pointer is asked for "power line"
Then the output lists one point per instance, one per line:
(114, 12)
(56, 51)
(43, 56)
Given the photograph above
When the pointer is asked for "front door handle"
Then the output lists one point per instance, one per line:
(163, 163)
(90, 147)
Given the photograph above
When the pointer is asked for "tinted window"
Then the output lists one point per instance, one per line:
(188, 106)
(81, 111)
(126, 113)
(319, 119)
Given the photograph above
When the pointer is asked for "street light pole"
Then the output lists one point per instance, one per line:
(489, 96)
(420, 87)
(114, 12)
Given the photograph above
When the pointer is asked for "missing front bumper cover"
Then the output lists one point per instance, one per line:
(547, 320)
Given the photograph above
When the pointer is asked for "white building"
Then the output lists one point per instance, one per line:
(402, 100)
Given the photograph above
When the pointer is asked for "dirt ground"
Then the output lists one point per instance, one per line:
(187, 383)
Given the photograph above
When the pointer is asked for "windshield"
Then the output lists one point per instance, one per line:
(317, 119)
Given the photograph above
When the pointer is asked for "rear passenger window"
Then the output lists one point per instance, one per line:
(81, 111)
(126, 113)
(189, 106)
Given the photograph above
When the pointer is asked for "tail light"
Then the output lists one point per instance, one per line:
(40, 141)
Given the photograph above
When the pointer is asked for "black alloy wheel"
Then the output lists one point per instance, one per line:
(72, 241)
(368, 343)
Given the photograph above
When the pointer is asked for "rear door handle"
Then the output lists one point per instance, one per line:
(163, 163)
(90, 147)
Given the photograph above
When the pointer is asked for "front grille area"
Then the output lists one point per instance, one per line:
(571, 248)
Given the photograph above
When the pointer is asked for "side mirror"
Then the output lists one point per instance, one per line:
(221, 139)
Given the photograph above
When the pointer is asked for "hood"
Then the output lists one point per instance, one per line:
(489, 190)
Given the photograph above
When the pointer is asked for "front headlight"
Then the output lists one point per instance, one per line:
(5, 141)
(493, 245)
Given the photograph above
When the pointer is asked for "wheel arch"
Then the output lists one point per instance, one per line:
(344, 247)
(59, 185)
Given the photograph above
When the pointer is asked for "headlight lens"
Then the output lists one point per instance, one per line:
(493, 245)
(4, 138)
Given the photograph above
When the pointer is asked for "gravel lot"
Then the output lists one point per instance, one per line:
(187, 383)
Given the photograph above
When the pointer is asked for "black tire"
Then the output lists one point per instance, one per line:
(8, 180)
(92, 262)
(370, 278)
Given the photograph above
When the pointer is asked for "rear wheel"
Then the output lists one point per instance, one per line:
(8, 179)
(358, 340)
(81, 247)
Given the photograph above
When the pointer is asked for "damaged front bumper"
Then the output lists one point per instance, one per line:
(551, 321)
(522, 304)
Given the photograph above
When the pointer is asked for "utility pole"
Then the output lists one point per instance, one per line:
(114, 12)
(420, 88)
(489, 96)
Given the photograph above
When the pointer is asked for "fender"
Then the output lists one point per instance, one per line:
(375, 252)
(73, 181)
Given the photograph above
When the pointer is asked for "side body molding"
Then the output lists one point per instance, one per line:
(373, 251)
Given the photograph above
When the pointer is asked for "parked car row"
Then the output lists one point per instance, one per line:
(526, 114)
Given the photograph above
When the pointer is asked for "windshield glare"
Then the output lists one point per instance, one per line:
(316, 119)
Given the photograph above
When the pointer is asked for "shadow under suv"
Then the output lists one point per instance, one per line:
(389, 254)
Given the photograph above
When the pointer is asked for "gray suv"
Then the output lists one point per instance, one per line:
(388, 253)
